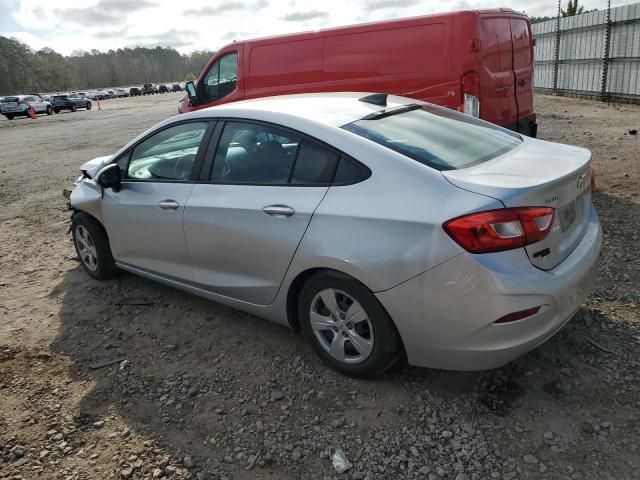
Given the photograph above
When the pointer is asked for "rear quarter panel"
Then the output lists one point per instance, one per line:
(388, 228)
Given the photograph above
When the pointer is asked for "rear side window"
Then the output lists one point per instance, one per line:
(314, 164)
(254, 154)
(438, 137)
(349, 171)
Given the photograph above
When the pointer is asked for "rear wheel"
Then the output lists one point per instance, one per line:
(347, 326)
(49, 110)
(73, 107)
(92, 247)
(88, 105)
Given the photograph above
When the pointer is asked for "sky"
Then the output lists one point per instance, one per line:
(68, 26)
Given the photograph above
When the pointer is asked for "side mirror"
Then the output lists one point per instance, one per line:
(110, 177)
(191, 93)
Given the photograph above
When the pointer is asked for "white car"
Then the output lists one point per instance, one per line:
(380, 226)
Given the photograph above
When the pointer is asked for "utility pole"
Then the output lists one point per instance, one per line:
(604, 94)
(556, 58)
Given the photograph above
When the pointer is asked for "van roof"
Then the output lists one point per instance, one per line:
(379, 23)
(332, 109)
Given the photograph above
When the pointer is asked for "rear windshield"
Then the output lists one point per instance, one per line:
(438, 137)
(59, 96)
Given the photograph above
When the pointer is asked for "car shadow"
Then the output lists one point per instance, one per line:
(207, 380)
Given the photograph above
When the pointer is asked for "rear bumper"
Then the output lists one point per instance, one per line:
(526, 126)
(446, 315)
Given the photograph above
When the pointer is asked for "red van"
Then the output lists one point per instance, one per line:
(479, 62)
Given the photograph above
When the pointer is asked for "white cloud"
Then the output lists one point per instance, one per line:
(67, 25)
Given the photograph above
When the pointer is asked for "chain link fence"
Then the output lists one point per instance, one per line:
(596, 54)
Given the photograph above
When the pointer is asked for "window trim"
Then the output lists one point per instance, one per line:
(197, 162)
(207, 170)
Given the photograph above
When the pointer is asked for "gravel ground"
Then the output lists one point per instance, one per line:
(172, 386)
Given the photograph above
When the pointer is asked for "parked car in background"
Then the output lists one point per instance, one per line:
(319, 208)
(99, 95)
(69, 102)
(135, 91)
(121, 93)
(149, 89)
(162, 88)
(18, 105)
(479, 62)
(176, 87)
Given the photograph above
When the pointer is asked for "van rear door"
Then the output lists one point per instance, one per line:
(497, 84)
(522, 68)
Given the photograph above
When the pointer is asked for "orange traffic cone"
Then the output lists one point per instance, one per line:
(32, 112)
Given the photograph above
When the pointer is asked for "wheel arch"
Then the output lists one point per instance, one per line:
(295, 287)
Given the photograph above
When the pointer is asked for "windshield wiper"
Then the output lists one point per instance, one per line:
(391, 112)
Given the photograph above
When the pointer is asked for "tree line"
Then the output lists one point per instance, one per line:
(24, 70)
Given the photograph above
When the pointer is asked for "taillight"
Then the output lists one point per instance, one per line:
(499, 230)
(471, 94)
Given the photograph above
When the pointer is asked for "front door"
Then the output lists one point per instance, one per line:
(144, 219)
(244, 225)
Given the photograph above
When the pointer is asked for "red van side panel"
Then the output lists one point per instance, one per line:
(413, 59)
(293, 64)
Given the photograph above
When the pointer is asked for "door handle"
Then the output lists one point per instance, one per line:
(168, 205)
(278, 210)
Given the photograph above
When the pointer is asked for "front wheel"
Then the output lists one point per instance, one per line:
(73, 107)
(49, 110)
(347, 326)
(92, 247)
(88, 105)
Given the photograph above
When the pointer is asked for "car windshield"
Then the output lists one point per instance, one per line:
(59, 96)
(438, 137)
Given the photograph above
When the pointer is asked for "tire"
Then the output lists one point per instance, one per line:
(56, 110)
(88, 105)
(73, 107)
(92, 246)
(379, 344)
(10, 116)
(49, 110)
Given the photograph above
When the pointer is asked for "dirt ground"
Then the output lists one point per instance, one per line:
(92, 387)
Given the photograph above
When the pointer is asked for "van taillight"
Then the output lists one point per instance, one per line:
(471, 94)
(500, 230)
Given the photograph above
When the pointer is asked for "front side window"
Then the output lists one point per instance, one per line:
(435, 136)
(168, 154)
(221, 79)
(253, 153)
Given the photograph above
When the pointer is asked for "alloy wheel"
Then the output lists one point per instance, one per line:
(341, 326)
(86, 248)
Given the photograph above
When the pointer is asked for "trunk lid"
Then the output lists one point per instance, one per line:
(540, 174)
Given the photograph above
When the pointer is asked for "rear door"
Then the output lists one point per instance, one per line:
(244, 225)
(497, 83)
(522, 66)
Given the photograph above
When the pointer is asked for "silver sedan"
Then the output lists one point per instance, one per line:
(382, 227)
